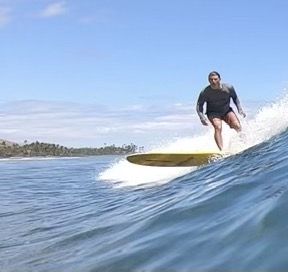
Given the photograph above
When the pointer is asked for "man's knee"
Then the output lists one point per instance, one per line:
(236, 126)
(217, 125)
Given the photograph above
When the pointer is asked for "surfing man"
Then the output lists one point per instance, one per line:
(217, 97)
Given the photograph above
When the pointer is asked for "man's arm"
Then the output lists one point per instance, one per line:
(199, 109)
(236, 101)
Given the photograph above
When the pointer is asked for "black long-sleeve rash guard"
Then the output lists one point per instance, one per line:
(217, 101)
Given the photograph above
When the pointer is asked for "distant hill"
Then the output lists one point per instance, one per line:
(7, 143)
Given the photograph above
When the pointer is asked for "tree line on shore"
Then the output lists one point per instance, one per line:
(37, 149)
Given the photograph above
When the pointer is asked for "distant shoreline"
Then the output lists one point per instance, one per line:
(36, 149)
(2, 159)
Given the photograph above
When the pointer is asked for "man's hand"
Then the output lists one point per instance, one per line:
(204, 122)
(242, 113)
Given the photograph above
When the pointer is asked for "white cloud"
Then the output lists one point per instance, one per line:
(54, 9)
(75, 124)
(5, 15)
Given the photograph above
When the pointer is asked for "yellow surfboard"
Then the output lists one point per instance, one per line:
(173, 159)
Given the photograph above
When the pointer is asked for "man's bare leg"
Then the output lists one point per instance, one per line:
(217, 124)
(232, 120)
(218, 138)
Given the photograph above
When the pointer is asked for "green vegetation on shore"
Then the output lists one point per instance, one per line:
(37, 149)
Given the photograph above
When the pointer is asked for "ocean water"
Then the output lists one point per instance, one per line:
(105, 214)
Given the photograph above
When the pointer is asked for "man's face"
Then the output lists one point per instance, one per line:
(214, 80)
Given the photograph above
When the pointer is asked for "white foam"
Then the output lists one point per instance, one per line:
(124, 173)
(268, 121)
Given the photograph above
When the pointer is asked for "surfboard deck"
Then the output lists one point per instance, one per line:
(173, 159)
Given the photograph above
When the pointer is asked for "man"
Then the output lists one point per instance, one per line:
(217, 98)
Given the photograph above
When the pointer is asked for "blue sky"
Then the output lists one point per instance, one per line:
(84, 73)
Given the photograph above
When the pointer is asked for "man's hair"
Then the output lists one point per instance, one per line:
(214, 73)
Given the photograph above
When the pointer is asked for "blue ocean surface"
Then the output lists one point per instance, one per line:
(105, 214)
